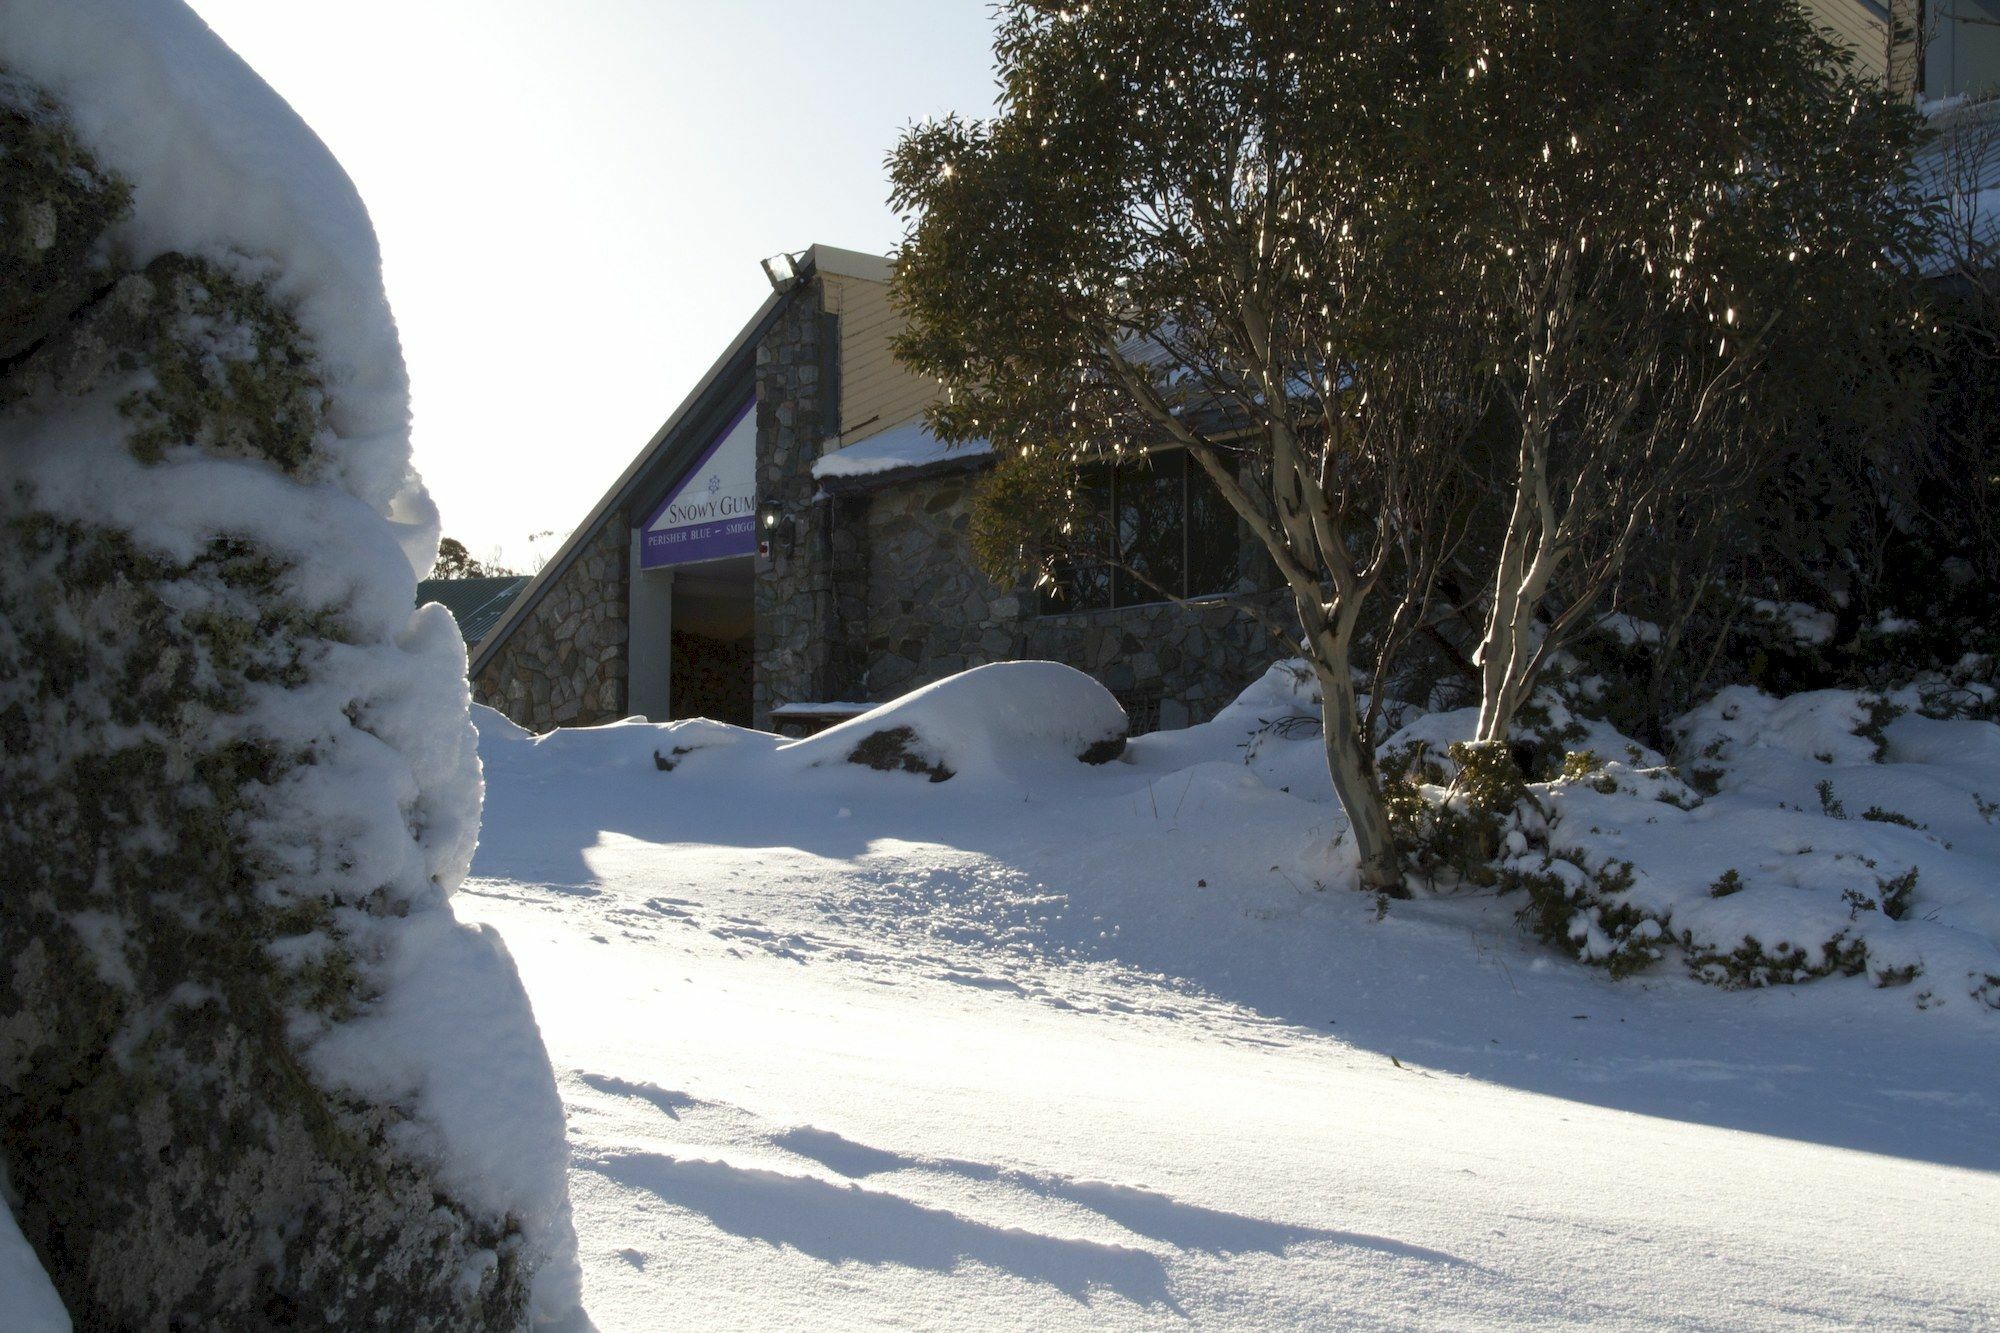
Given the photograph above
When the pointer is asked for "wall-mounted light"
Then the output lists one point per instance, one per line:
(783, 272)
(771, 523)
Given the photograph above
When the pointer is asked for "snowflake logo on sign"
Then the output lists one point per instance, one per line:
(714, 482)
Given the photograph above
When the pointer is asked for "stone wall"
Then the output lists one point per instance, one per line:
(1192, 659)
(867, 595)
(563, 664)
(793, 600)
(931, 612)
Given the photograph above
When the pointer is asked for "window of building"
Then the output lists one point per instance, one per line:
(1961, 47)
(1163, 528)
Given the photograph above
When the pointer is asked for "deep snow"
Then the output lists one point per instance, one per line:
(1111, 1046)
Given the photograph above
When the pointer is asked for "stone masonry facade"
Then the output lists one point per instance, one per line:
(563, 665)
(792, 593)
(869, 594)
(931, 612)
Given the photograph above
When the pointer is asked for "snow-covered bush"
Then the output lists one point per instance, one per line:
(1005, 719)
(1843, 834)
(256, 1073)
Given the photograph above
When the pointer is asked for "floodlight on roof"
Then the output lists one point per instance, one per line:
(783, 272)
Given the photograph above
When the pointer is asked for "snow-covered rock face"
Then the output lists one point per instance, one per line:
(255, 1070)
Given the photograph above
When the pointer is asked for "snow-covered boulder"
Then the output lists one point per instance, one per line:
(1006, 720)
(255, 1072)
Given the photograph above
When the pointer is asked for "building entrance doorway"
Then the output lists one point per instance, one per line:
(690, 627)
(710, 658)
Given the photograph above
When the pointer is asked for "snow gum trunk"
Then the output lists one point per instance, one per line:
(1352, 768)
(1522, 571)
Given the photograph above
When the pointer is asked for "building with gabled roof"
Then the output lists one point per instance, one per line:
(792, 544)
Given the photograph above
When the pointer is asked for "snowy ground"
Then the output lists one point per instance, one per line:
(849, 1048)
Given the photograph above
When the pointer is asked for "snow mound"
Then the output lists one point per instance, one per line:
(495, 727)
(1005, 720)
(28, 1300)
(1272, 728)
(1830, 726)
(1287, 689)
(630, 744)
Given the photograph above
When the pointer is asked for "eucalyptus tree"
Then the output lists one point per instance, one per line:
(1702, 214)
(1328, 250)
(1210, 227)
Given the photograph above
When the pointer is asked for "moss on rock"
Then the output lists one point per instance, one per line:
(56, 202)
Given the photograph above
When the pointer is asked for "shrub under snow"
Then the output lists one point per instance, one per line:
(1842, 834)
(256, 1073)
(1002, 720)
(999, 722)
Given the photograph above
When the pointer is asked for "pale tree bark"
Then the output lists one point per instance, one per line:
(1336, 500)
(1350, 761)
(1616, 413)
(1327, 621)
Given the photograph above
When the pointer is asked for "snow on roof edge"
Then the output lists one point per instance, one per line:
(897, 449)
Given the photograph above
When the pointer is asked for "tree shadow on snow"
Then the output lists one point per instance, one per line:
(848, 1224)
(1215, 899)
(1185, 1226)
(839, 1224)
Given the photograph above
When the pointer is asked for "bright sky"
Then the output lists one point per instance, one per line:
(572, 197)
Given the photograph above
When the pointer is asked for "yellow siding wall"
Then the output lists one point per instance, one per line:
(876, 392)
(1858, 25)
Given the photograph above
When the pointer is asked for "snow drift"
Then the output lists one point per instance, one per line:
(1114, 1047)
(1830, 834)
(28, 1301)
(1002, 720)
(240, 777)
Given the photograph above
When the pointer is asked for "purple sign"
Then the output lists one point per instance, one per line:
(712, 513)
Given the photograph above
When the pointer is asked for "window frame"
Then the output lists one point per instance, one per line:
(1127, 591)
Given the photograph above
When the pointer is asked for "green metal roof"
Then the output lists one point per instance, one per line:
(474, 603)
